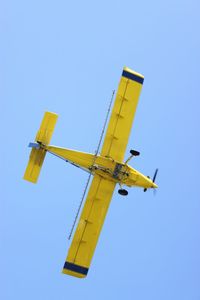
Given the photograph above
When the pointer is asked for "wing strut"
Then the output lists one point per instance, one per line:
(105, 122)
(79, 208)
(95, 156)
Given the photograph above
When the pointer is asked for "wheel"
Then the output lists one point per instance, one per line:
(123, 192)
(134, 152)
(145, 189)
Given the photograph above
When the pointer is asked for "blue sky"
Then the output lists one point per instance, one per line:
(67, 57)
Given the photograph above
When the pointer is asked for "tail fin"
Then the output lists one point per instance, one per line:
(38, 153)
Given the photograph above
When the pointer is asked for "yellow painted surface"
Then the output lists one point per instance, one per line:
(72, 273)
(47, 126)
(37, 156)
(108, 169)
(82, 159)
(122, 116)
(90, 223)
(34, 165)
(102, 166)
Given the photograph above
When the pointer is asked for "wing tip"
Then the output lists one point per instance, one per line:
(51, 114)
(74, 270)
(130, 74)
(29, 178)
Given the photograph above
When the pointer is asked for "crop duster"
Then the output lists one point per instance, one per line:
(108, 169)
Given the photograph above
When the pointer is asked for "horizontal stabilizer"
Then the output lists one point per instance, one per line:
(34, 165)
(38, 153)
(47, 126)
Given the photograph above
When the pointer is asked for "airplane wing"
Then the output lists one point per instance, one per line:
(122, 115)
(89, 227)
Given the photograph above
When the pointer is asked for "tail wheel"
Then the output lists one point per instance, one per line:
(123, 192)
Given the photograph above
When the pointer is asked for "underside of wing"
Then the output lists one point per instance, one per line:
(122, 115)
(89, 227)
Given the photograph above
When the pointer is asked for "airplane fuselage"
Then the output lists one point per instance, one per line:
(106, 167)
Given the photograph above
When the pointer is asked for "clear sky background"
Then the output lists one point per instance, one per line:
(67, 57)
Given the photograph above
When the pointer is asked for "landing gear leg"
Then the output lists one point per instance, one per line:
(133, 153)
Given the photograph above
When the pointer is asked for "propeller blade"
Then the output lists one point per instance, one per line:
(153, 180)
(155, 174)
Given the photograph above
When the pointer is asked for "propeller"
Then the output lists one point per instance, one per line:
(154, 178)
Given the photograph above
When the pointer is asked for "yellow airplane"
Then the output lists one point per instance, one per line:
(108, 169)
